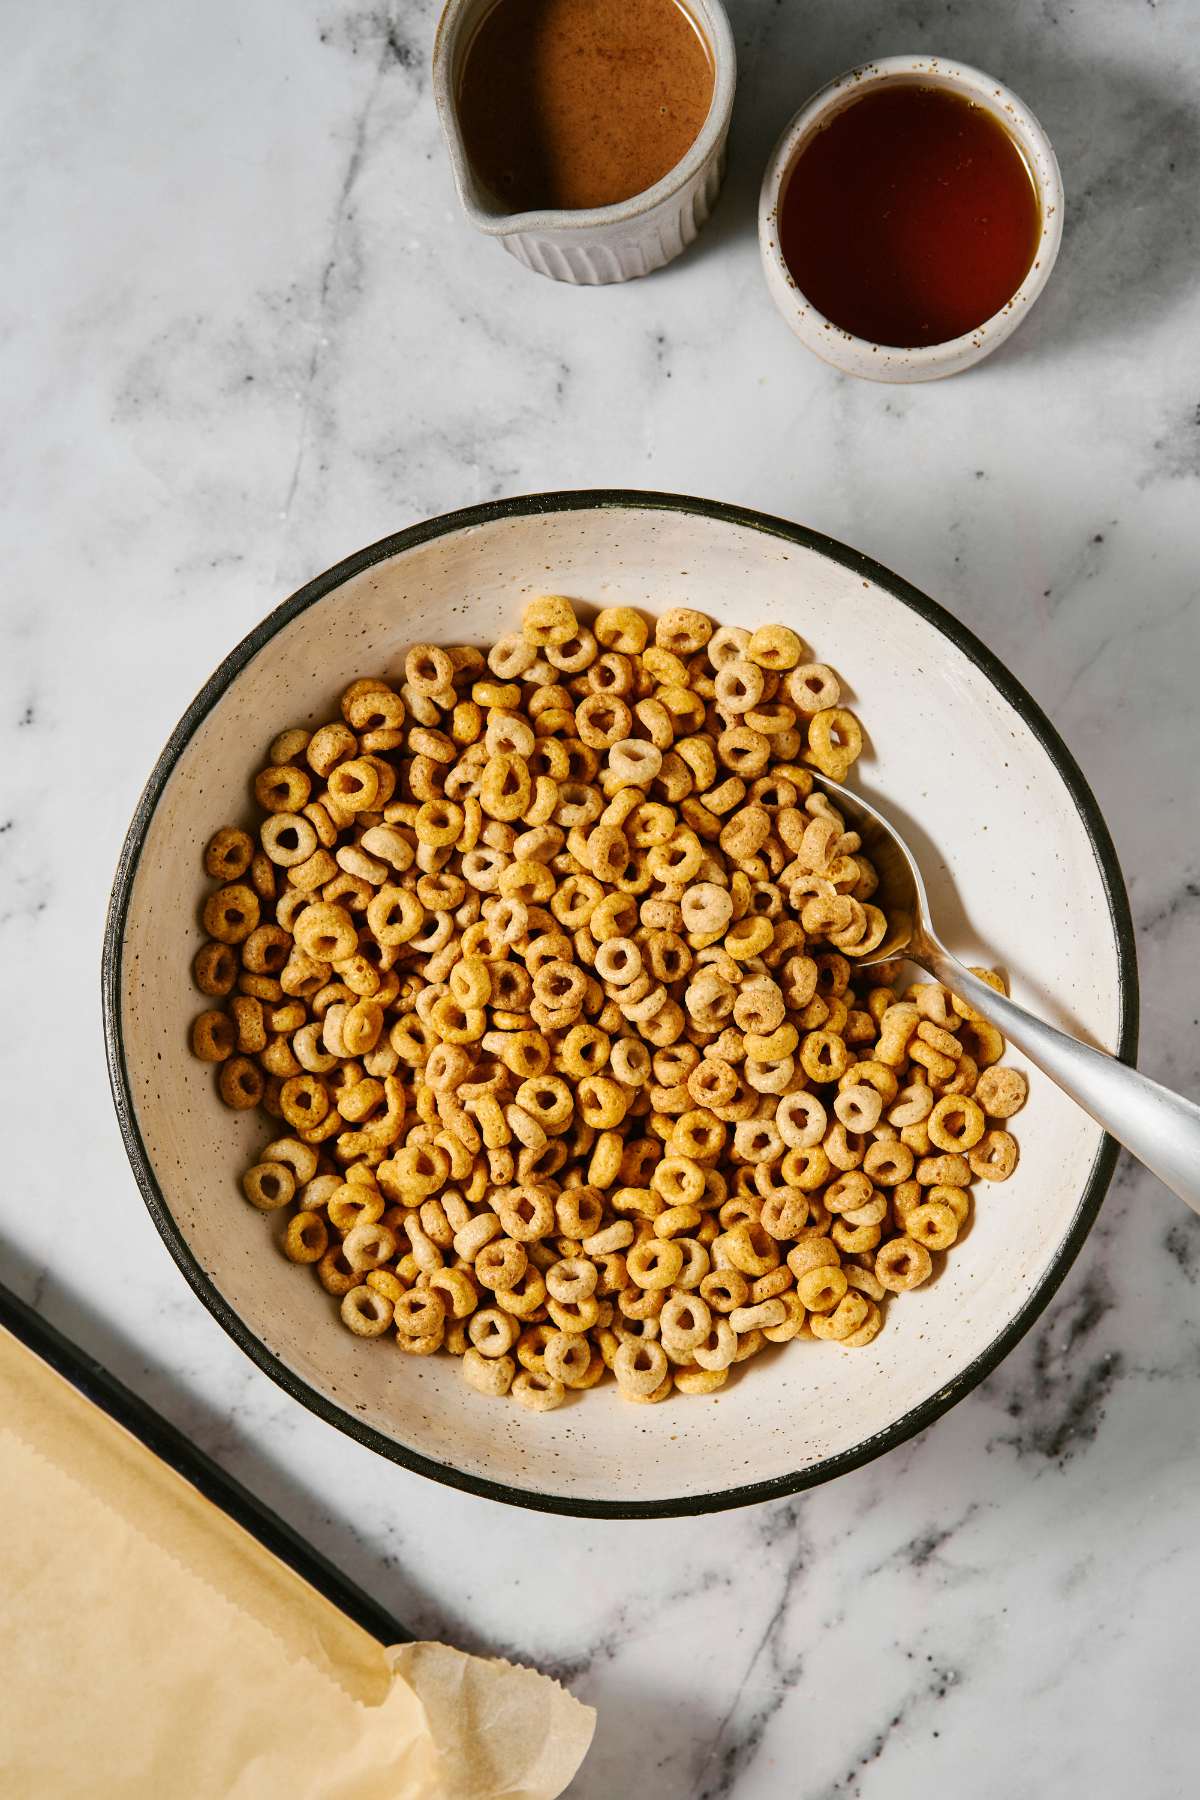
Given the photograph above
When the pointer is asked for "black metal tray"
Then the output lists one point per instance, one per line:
(164, 1441)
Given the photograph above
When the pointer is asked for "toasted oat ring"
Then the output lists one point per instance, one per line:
(568, 1358)
(306, 1238)
(640, 1366)
(932, 1224)
(707, 907)
(326, 932)
(366, 1312)
(774, 647)
(679, 1179)
(819, 1290)
(537, 1392)
(492, 1332)
(282, 789)
(488, 1375)
(501, 1264)
(1001, 1092)
(228, 854)
(738, 686)
(549, 620)
(232, 913)
(215, 969)
(994, 1157)
(622, 629)
(785, 1213)
(813, 688)
(420, 1313)
(685, 1321)
(526, 1213)
(214, 1037)
(241, 1083)
(901, 1263)
(654, 1263)
(369, 1245)
(956, 1123)
(572, 1278)
(835, 741)
(269, 1185)
(847, 1317)
(427, 1344)
(719, 1349)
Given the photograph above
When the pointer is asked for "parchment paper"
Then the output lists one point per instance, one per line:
(153, 1647)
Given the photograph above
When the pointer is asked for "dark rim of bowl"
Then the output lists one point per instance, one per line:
(616, 500)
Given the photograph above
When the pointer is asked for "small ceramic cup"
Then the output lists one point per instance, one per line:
(927, 362)
(603, 243)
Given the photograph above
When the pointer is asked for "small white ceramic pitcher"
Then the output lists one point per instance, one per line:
(603, 243)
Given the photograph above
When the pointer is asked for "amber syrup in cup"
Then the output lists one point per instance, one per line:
(911, 217)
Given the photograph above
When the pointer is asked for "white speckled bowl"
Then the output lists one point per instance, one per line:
(594, 246)
(1019, 865)
(927, 362)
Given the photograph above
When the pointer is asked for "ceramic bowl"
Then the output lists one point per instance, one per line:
(1020, 869)
(928, 362)
(594, 246)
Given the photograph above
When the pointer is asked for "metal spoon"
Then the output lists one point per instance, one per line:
(1161, 1129)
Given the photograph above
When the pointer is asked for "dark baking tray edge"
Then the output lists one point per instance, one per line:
(163, 1440)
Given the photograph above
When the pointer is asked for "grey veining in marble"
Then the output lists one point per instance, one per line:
(243, 331)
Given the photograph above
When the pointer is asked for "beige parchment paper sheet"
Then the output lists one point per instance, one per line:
(153, 1647)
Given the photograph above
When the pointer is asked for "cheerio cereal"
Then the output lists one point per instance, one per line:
(543, 965)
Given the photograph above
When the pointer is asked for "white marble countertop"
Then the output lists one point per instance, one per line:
(244, 331)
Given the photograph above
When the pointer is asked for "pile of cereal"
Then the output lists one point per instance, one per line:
(546, 962)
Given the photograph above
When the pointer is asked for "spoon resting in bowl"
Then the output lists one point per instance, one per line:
(1160, 1128)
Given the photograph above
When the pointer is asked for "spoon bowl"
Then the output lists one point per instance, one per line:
(901, 893)
(1160, 1128)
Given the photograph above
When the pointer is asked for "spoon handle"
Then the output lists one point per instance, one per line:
(1161, 1129)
